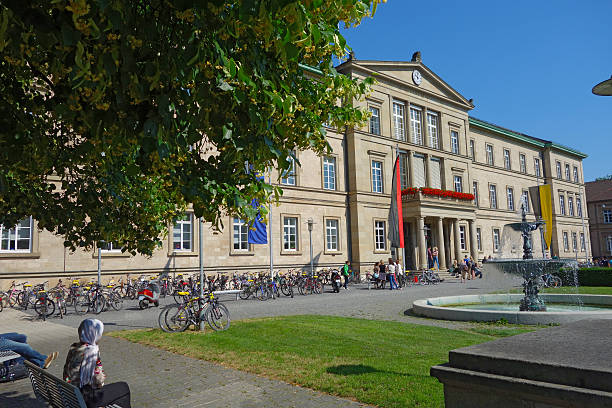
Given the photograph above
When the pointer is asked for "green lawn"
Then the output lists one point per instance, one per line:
(376, 362)
(585, 290)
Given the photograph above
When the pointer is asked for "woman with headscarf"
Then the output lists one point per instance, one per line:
(83, 369)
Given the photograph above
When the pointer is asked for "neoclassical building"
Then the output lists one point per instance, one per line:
(346, 195)
(599, 204)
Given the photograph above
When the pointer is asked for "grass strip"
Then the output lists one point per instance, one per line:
(381, 363)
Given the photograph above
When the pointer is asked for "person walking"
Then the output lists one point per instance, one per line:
(429, 258)
(17, 343)
(435, 261)
(391, 274)
(345, 273)
(399, 274)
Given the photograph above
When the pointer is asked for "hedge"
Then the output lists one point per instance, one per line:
(596, 276)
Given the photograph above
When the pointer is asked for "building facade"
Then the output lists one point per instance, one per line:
(346, 195)
(599, 204)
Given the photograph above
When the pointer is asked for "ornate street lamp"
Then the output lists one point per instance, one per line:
(310, 225)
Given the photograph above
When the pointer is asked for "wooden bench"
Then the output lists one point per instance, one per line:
(54, 391)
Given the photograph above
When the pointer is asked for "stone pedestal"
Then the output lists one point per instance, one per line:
(566, 366)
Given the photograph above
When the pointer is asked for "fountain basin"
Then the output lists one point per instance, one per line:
(449, 308)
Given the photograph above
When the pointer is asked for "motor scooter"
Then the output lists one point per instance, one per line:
(336, 281)
(148, 295)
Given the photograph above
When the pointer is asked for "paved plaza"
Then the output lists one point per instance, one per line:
(162, 379)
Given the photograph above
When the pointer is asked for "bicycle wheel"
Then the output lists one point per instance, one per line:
(318, 287)
(44, 308)
(62, 308)
(12, 300)
(99, 304)
(423, 280)
(21, 300)
(245, 293)
(173, 318)
(218, 317)
(115, 301)
(261, 293)
(4, 298)
(555, 282)
(81, 305)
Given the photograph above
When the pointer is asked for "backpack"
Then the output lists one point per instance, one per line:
(12, 370)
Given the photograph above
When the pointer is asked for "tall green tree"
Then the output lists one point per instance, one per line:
(117, 114)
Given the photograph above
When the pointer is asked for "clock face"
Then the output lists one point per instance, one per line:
(416, 77)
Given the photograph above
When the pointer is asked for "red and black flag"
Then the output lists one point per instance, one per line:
(396, 221)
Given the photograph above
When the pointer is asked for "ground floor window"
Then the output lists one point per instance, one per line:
(478, 239)
(182, 233)
(18, 238)
(495, 239)
(462, 238)
(565, 242)
(290, 231)
(241, 235)
(609, 244)
(574, 241)
(380, 243)
(582, 243)
(331, 235)
(110, 247)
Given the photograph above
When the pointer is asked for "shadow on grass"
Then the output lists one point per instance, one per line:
(358, 369)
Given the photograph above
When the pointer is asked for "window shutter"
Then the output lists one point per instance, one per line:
(419, 171)
(436, 181)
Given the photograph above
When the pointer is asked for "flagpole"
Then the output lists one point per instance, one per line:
(270, 231)
(400, 203)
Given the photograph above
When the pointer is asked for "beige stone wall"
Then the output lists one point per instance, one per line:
(354, 204)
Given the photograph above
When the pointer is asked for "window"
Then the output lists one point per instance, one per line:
(536, 165)
(415, 124)
(288, 177)
(576, 180)
(493, 195)
(562, 204)
(579, 206)
(478, 239)
(18, 238)
(432, 129)
(558, 164)
(570, 206)
(455, 141)
(375, 120)
(458, 184)
(418, 164)
(565, 242)
(472, 150)
(435, 179)
(525, 200)
(110, 247)
(607, 216)
(241, 235)
(399, 126)
(380, 244)
(582, 243)
(331, 235)
(495, 239)
(462, 237)
(490, 160)
(475, 190)
(567, 172)
(574, 242)
(329, 173)
(609, 244)
(510, 194)
(290, 231)
(182, 233)
(507, 159)
(377, 180)
(403, 170)
(523, 163)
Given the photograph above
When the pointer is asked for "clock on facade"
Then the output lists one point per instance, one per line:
(416, 77)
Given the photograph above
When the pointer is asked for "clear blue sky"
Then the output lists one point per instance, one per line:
(529, 65)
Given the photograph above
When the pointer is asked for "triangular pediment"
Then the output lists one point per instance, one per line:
(402, 71)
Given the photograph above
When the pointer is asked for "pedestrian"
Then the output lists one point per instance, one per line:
(345, 273)
(399, 274)
(429, 258)
(464, 269)
(456, 270)
(391, 274)
(17, 342)
(83, 369)
(435, 262)
(472, 268)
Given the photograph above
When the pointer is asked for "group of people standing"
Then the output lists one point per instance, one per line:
(392, 270)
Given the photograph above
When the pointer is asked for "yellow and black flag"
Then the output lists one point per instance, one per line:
(541, 198)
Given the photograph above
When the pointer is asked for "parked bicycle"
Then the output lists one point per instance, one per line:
(551, 281)
(192, 311)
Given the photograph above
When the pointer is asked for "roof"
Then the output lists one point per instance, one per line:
(600, 190)
(532, 140)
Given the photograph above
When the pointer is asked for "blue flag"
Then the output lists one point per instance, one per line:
(258, 233)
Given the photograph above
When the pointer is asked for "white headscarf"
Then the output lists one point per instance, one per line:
(90, 332)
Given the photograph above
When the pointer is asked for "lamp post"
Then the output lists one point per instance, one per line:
(100, 244)
(310, 225)
(201, 249)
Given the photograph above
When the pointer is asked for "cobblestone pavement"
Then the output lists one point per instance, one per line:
(162, 379)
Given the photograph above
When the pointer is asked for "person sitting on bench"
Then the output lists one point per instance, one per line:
(83, 369)
(17, 343)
